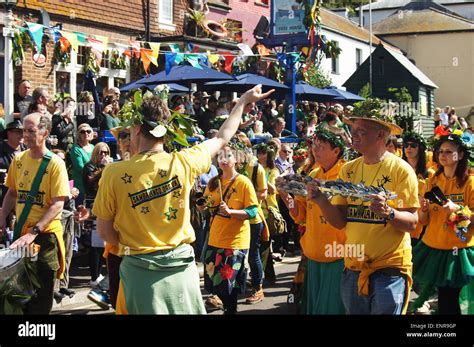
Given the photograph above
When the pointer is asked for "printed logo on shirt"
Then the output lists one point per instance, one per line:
(155, 192)
(362, 214)
(23, 196)
(456, 198)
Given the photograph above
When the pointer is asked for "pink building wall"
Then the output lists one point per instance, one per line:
(246, 11)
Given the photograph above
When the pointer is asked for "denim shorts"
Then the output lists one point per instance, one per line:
(386, 293)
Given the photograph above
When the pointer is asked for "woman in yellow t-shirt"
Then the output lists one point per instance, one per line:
(414, 152)
(232, 202)
(266, 158)
(321, 241)
(444, 259)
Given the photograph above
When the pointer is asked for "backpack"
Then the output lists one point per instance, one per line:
(275, 221)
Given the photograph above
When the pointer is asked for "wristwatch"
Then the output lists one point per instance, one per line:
(391, 215)
(36, 230)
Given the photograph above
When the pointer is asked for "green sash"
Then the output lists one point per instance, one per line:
(31, 196)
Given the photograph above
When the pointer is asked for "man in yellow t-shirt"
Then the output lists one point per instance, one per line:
(380, 229)
(43, 223)
(142, 206)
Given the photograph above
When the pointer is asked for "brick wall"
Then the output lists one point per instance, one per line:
(39, 77)
(129, 15)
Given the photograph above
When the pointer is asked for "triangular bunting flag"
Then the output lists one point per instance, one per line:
(54, 30)
(245, 49)
(81, 37)
(213, 58)
(36, 32)
(179, 58)
(104, 40)
(204, 59)
(145, 55)
(135, 48)
(169, 61)
(174, 47)
(72, 38)
(155, 47)
(96, 44)
(193, 60)
(65, 44)
(262, 50)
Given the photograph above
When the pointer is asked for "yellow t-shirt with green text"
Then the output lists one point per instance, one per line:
(229, 232)
(261, 184)
(147, 197)
(437, 234)
(320, 241)
(54, 184)
(365, 229)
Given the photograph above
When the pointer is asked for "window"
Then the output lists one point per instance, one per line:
(63, 82)
(234, 28)
(81, 55)
(165, 11)
(262, 2)
(358, 57)
(381, 66)
(105, 62)
(335, 61)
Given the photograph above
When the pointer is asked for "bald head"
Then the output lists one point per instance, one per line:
(38, 120)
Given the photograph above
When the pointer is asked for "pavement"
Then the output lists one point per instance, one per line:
(273, 303)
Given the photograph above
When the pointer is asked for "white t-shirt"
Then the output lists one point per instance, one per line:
(444, 118)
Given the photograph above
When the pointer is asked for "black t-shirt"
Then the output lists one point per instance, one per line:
(7, 154)
(21, 104)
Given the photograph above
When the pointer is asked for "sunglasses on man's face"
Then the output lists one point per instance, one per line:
(412, 145)
(104, 152)
(86, 131)
(123, 135)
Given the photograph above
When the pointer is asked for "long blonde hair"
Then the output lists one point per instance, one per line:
(96, 151)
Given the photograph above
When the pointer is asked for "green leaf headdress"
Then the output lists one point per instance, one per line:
(378, 111)
(326, 135)
(175, 130)
(413, 136)
(270, 149)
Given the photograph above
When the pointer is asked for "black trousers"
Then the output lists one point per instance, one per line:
(448, 300)
(113, 267)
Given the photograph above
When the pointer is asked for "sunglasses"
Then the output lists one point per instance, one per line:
(412, 145)
(287, 151)
(86, 131)
(104, 152)
(123, 135)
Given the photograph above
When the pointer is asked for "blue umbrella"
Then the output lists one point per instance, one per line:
(133, 85)
(342, 95)
(310, 93)
(244, 82)
(174, 88)
(187, 74)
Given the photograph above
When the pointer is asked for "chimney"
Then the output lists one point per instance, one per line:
(361, 16)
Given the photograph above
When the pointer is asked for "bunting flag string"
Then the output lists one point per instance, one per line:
(100, 44)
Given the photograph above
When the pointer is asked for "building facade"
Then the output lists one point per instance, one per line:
(118, 21)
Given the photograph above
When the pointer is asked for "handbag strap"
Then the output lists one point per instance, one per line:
(31, 196)
(223, 197)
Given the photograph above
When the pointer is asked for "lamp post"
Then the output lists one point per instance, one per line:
(7, 61)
